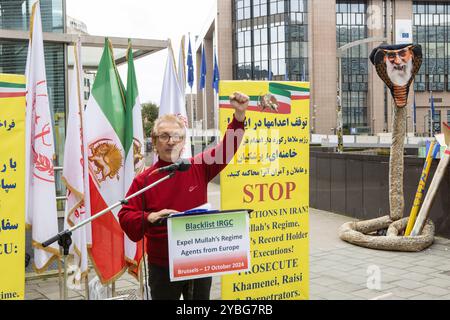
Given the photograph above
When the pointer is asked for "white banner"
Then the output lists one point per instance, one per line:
(202, 245)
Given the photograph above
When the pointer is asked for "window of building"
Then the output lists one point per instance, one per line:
(436, 120)
(15, 15)
(351, 26)
(432, 31)
(273, 43)
(14, 57)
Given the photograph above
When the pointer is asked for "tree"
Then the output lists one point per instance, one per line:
(149, 114)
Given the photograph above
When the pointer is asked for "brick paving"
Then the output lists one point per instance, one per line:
(338, 270)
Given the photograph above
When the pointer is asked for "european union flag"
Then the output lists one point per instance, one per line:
(190, 65)
(203, 70)
(216, 76)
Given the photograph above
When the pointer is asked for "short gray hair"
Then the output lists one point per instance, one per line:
(170, 117)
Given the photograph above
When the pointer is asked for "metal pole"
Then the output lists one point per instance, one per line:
(65, 278)
(141, 281)
(431, 114)
(104, 211)
(205, 118)
(314, 119)
(431, 101)
(86, 287)
(192, 120)
(216, 117)
(118, 203)
(425, 124)
(61, 284)
(414, 116)
(340, 147)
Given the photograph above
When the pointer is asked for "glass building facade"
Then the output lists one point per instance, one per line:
(270, 39)
(431, 29)
(15, 15)
(351, 26)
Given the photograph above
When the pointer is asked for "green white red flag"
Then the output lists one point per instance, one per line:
(105, 140)
(134, 150)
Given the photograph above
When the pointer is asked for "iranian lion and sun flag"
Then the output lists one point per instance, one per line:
(109, 134)
(114, 139)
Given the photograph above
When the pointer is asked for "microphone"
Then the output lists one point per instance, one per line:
(179, 165)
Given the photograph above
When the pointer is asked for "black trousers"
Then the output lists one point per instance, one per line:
(162, 288)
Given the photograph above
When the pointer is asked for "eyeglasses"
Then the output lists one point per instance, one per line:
(401, 53)
(176, 138)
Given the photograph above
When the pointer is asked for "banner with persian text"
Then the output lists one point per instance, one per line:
(270, 175)
(12, 187)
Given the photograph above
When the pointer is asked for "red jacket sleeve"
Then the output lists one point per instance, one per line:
(130, 216)
(215, 159)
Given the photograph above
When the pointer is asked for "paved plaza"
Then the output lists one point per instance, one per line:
(338, 270)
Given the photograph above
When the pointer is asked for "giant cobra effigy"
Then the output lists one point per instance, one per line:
(397, 66)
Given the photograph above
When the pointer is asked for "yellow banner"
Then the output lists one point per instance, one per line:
(12, 187)
(270, 174)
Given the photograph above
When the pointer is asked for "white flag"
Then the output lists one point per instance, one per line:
(40, 197)
(173, 99)
(74, 175)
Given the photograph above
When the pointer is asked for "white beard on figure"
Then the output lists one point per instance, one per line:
(399, 77)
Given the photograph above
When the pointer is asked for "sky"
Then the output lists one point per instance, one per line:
(145, 19)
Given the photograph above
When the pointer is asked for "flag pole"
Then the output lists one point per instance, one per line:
(190, 85)
(215, 85)
(205, 118)
(66, 293)
(86, 286)
(414, 115)
(431, 106)
(203, 69)
(216, 115)
(62, 287)
(192, 120)
(141, 282)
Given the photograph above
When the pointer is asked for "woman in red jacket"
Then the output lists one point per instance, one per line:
(184, 191)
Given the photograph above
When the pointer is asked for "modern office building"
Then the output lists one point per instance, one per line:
(300, 40)
(76, 26)
(60, 32)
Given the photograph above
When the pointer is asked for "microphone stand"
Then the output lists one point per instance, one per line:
(64, 238)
